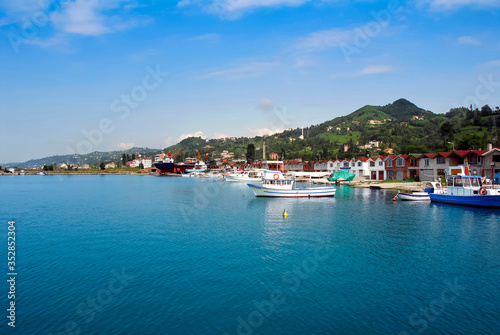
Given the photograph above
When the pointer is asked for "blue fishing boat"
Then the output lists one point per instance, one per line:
(465, 190)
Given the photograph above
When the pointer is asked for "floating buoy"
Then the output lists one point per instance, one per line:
(285, 214)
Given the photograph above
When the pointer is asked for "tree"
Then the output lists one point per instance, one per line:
(102, 166)
(141, 166)
(133, 156)
(250, 155)
(486, 110)
(124, 159)
(447, 129)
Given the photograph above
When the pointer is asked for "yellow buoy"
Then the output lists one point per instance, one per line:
(285, 214)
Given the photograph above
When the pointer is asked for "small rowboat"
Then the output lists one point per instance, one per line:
(415, 196)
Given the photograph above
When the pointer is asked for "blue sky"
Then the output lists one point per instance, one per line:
(86, 75)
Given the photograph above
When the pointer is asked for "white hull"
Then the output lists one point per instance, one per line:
(242, 178)
(416, 196)
(262, 191)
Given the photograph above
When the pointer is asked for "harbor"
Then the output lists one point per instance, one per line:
(205, 256)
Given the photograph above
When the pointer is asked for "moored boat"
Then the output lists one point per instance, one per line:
(198, 167)
(274, 184)
(246, 176)
(466, 190)
(415, 196)
(418, 196)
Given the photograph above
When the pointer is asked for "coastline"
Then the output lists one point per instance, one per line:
(377, 185)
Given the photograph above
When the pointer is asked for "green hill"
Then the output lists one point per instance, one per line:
(400, 125)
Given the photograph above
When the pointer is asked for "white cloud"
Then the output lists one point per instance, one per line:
(125, 146)
(325, 39)
(184, 3)
(206, 37)
(375, 70)
(468, 40)
(199, 133)
(233, 9)
(169, 141)
(250, 70)
(264, 131)
(58, 40)
(81, 17)
(266, 105)
(220, 135)
(440, 5)
(87, 17)
(493, 63)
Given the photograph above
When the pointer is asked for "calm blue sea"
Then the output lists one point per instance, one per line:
(152, 255)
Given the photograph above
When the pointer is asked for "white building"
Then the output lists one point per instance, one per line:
(320, 166)
(432, 165)
(377, 168)
(361, 167)
(136, 162)
(146, 162)
(294, 166)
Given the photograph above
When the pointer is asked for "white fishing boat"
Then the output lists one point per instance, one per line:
(198, 167)
(274, 184)
(246, 176)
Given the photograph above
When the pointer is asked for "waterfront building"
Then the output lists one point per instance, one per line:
(491, 163)
(360, 168)
(146, 163)
(377, 168)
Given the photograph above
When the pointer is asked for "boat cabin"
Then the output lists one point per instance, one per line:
(276, 178)
(464, 185)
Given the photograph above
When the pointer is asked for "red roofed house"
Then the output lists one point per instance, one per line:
(428, 167)
(321, 166)
(361, 168)
(308, 166)
(433, 166)
(377, 168)
(474, 159)
(397, 166)
(413, 168)
(491, 163)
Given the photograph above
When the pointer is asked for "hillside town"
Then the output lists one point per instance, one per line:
(423, 167)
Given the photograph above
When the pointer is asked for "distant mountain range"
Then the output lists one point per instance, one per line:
(93, 158)
(401, 125)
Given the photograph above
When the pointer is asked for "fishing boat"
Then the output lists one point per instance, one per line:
(274, 184)
(246, 176)
(465, 190)
(198, 167)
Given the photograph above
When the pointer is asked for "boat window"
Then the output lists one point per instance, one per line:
(450, 181)
(475, 182)
(458, 182)
(466, 182)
